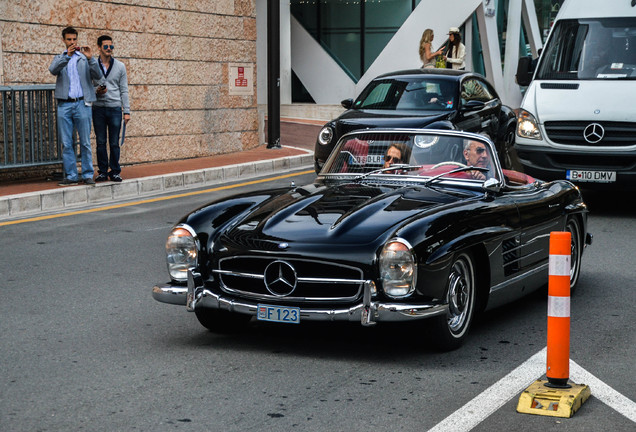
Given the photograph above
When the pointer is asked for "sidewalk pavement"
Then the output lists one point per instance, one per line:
(18, 199)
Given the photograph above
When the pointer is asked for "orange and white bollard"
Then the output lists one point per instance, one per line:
(556, 397)
(558, 352)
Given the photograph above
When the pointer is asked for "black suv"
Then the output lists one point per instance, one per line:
(425, 98)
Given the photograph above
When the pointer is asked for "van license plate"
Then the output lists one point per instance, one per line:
(591, 176)
(278, 314)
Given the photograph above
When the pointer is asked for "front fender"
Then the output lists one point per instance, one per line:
(466, 241)
(507, 117)
(322, 152)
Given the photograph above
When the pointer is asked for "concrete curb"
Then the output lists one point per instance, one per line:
(74, 196)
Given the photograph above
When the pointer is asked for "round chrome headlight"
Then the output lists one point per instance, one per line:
(181, 252)
(325, 135)
(398, 268)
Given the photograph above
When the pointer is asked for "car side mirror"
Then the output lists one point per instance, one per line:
(524, 72)
(473, 105)
(347, 103)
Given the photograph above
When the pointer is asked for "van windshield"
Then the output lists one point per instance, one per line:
(591, 49)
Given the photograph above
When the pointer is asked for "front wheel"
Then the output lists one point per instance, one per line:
(220, 321)
(451, 329)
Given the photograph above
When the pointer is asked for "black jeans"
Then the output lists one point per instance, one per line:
(107, 121)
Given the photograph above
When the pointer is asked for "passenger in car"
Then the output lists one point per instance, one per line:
(397, 153)
(476, 154)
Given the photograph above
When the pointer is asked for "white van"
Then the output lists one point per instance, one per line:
(578, 116)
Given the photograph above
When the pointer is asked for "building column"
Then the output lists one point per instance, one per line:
(490, 48)
(529, 15)
(511, 93)
(261, 52)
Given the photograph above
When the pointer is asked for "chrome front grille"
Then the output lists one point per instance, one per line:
(616, 134)
(289, 280)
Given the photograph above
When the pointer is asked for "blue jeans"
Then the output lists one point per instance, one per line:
(75, 115)
(107, 121)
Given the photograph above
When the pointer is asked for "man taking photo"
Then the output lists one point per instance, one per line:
(76, 72)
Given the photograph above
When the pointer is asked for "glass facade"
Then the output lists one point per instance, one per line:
(354, 32)
(547, 11)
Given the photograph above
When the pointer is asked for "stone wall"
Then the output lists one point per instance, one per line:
(177, 55)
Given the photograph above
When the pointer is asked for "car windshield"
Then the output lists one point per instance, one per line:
(415, 93)
(592, 49)
(416, 156)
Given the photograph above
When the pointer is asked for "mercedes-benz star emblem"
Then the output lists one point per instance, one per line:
(280, 278)
(593, 133)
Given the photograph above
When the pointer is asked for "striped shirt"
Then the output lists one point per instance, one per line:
(75, 89)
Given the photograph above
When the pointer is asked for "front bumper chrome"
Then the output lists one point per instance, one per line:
(368, 312)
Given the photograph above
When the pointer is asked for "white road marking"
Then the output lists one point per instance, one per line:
(498, 394)
(603, 392)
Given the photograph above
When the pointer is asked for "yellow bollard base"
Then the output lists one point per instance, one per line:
(555, 402)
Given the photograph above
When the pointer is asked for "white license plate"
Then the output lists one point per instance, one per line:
(591, 176)
(280, 314)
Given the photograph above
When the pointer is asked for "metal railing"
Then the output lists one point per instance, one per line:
(29, 127)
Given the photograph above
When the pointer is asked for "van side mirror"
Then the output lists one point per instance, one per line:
(347, 103)
(524, 71)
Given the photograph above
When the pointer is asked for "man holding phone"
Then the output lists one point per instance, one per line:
(76, 71)
(112, 101)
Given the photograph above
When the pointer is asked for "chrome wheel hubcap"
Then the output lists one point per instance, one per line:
(460, 292)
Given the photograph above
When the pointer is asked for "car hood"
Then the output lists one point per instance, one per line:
(558, 104)
(344, 214)
(361, 119)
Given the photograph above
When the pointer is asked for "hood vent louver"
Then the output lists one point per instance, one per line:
(559, 86)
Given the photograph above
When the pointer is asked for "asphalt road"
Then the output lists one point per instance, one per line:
(85, 347)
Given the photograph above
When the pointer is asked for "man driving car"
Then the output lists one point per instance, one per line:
(476, 154)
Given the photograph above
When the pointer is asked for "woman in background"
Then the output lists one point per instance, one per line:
(426, 46)
(456, 50)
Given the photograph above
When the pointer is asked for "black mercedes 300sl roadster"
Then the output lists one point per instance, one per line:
(400, 225)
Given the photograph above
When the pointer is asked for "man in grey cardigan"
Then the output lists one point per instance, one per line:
(112, 101)
(76, 70)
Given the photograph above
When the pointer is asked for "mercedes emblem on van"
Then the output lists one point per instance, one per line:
(593, 133)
